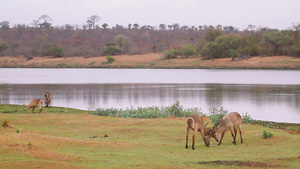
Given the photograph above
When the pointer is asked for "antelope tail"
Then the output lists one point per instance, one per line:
(192, 120)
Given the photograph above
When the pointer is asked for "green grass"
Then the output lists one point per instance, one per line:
(19, 109)
(70, 138)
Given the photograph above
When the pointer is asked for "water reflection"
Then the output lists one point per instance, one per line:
(264, 102)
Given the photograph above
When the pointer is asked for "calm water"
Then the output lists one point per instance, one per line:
(265, 94)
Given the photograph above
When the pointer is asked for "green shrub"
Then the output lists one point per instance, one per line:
(54, 51)
(271, 126)
(294, 51)
(17, 131)
(110, 59)
(176, 109)
(111, 49)
(123, 42)
(210, 50)
(267, 134)
(221, 47)
(170, 53)
(3, 47)
(246, 118)
(216, 115)
(188, 50)
(233, 54)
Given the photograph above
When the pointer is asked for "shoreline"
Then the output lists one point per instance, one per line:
(54, 108)
(152, 61)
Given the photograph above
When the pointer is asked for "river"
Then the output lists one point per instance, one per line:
(272, 95)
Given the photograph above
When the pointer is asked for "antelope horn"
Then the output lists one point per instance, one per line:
(213, 128)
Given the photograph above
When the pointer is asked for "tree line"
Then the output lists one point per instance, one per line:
(91, 40)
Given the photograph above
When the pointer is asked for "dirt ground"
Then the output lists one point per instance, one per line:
(152, 60)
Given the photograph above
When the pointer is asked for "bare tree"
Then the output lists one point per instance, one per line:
(93, 21)
(44, 21)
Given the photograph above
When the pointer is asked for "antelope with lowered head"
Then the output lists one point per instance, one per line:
(47, 96)
(196, 123)
(228, 122)
(33, 104)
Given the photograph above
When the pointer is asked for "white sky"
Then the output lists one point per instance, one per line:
(279, 14)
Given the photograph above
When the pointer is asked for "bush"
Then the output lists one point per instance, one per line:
(221, 46)
(188, 50)
(3, 47)
(54, 51)
(210, 50)
(123, 42)
(267, 134)
(246, 118)
(294, 51)
(216, 115)
(111, 49)
(170, 53)
(149, 112)
(271, 126)
(110, 59)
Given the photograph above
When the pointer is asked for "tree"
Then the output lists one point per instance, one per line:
(276, 41)
(44, 21)
(105, 26)
(55, 51)
(249, 44)
(162, 26)
(136, 26)
(176, 26)
(188, 50)
(210, 50)
(184, 27)
(123, 42)
(211, 34)
(3, 45)
(223, 46)
(4, 25)
(170, 54)
(92, 21)
(111, 49)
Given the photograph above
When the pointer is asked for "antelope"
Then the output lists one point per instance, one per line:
(195, 122)
(228, 122)
(47, 96)
(35, 103)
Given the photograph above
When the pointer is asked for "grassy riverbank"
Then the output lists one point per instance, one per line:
(152, 61)
(70, 138)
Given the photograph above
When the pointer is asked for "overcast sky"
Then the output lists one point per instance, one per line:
(279, 14)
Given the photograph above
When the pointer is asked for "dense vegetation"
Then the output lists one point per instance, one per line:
(91, 40)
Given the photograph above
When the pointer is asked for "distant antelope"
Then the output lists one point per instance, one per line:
(35, 103)
(228, 122)
(47, 96)
(195, 122)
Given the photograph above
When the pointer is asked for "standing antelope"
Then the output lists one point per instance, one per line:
(47, 96)
(228, 122)
(195, 122)
(35, 103)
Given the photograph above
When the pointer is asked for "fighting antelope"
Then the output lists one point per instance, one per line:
(228, 122)
(196, 123)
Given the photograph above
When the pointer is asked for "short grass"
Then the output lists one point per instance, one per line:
(70, 138)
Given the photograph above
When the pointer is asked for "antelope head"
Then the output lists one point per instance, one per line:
(214, 134)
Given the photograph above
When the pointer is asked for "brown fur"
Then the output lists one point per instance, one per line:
(47, 96)
(196, 123)
(229, 122)
(35, 103)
